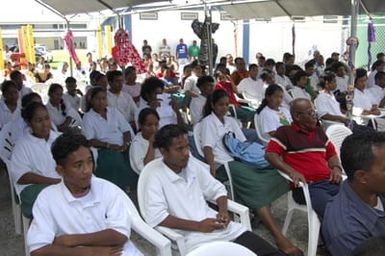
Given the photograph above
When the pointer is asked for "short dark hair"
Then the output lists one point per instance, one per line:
(297, 76)
(29, 111)
(270, 62)
(357, 151)
(112, 74)
(146, 112)
(380, 55)
(279, 63)
(70, 80)
(374, 246)
(150, 85)
(380, 75)
(67, 143)
(203, 80)
(129, 70)
(360, 72)
(6, 85)
(327, 76)
(309, 64)
(329, 61)
(93, 91)
(28, 98)
(253, 65)
(163, 138)
(15, 74)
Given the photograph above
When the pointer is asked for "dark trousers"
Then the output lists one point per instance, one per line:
(257, 245)
(320, 194)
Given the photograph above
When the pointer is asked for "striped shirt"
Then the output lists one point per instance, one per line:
(306, 152)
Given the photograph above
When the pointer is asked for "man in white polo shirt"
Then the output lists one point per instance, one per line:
(252, 86)
(82, 215)
(176, 194)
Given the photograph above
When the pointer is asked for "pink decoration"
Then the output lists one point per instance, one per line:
(68, 39)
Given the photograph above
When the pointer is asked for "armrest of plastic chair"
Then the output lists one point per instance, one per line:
(162, 244)
(242, 211)
(174, 236)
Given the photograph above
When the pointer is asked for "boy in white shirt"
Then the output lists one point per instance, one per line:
(206, 87)
(82, 215)
(72, 95)
(377, 92)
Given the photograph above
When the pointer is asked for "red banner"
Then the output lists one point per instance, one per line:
(69, 41)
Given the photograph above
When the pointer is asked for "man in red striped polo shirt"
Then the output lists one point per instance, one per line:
(303, 151)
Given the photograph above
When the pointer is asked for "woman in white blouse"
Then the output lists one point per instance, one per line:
(60, 112)
(362, 102)
(109, 132)
(270, 115)
(255, 188)
(32, 165)
(142, 149)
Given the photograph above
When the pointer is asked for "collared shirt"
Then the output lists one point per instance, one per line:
(58, 117)
(342, 83)
(376, 93)
(284, 81)
(255, 89)
(108, 130)
(73, 101)
(298, 92)
(213, 131)
(191, 84)
(124, 103)
(184, 196)
(237, 76)
(348, 221)
(361, 101)
(133, 90)
(326, 103)
(138, 150)
(270, 119)
(33, 154)
(57, 212)
(196, 108)
(6, 115)
(306, 152)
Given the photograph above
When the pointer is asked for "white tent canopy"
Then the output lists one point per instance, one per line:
(238, 9)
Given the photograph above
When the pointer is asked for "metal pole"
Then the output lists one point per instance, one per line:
(210, 40)
(353, 29)
(71, 62)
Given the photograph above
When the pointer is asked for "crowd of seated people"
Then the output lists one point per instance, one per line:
(120, 116)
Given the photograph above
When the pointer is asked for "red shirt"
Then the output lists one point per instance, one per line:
(306, 152)
(229, 89)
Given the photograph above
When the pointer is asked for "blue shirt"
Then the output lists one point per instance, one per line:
(348, 222)
(181, 51)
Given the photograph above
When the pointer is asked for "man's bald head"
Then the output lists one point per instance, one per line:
(299, 105)
(303, 113)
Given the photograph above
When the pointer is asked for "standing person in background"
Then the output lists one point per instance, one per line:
(181, 53)
(215, 53)
(164, 50)
(146, 50)
(230, 63)
(193, 51)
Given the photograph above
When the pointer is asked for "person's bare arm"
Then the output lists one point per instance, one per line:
(34, 178)
(276, 161)
(150, 155)
(223, 214)
(335, 118)
(209, 156)
(205, 226)
(336, 169)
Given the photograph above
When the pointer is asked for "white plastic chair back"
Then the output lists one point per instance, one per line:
(257, 123)
(336, 134)
(221, 248)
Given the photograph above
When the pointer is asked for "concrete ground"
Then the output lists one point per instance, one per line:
(12, 244)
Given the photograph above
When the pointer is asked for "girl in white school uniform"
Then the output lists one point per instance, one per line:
(255, 188)
(142, 149)
(270, 115)
(109, 132)
(9, 109)
(32, 165)
(60, 112)
(362, 102)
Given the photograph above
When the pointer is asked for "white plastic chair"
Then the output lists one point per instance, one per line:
(178, 240)
(221, 248)
(314, 224)
(198, 143)
(254, 103)
(162, 244)
(265, 139)
(336, 134)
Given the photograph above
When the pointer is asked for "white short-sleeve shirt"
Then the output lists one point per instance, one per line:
(213, 131)
(32, 154)
(270, 120)
(108, 130)
(342, 83)
(57, 117)
(6, 115)
(73, 101)
(284, 81)
(255, 89)
(376, 93)
(361, 101)
(371, 80)
(57, 212)
(298, 92)
(326, 103)
(138, 150)
(184, 196)
(191, 84)
(196, 108)
(124, 103)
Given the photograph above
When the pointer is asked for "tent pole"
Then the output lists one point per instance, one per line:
(120, 22)
(353, 29)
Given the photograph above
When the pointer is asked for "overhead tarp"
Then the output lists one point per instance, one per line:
(278, 8)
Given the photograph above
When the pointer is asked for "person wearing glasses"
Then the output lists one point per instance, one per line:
(304, 152)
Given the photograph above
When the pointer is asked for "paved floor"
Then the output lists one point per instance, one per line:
(13, 245)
